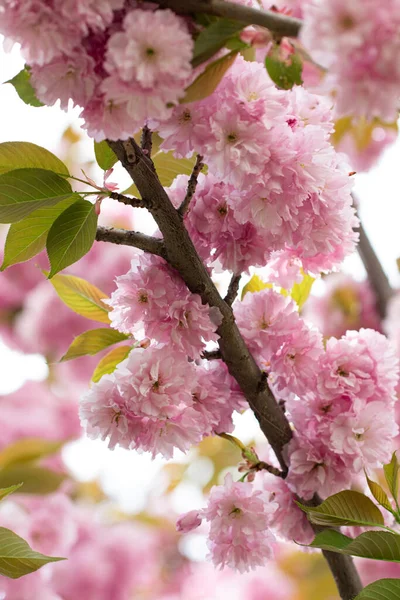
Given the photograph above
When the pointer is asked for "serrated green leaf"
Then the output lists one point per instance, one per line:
(110, 361)
(36, 480)
(379, 545)
(24, 191)
(28, 450)
(4, 492)
(379, 494)
(301, 291)
(105, 157)
(24, 155)
(28, 237)
(168, 167)
(93, 341)
(82, 297)
(213, 38)
(23, 87)
(71, 236)
(391, 472)
(383, 589)
(17, 558)
(207, 82)
(345, 508)
(285, 74)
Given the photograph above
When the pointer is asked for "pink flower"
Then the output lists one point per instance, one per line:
(265, 319)
(239, 519)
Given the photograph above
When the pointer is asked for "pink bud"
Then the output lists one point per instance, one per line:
(188, 521)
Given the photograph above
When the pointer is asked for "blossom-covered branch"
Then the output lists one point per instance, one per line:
(275, 22)
(124, 237)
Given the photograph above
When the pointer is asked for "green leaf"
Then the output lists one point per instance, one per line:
(17, 558)
(37, 480)
(301, 291)
(379, 494)
(207, 82)
(168, 167)
(82, 297)
(213, 38)
(392, 476)
(24, 155)
(71, 236)
(110, 361)
(383, 589)
(24, 89)
(255, 284)
(345, 508)
(27, 450)
(93, 341)
(28, 237)
(105, 157)
(25, 190)
(4, 492)
(379, 545)
(285, 74)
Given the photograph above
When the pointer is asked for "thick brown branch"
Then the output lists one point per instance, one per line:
(135, 202)
(275, 22)
(181, 254)
(376, 275)
(192, 185)
(131, 238)
(232, 289)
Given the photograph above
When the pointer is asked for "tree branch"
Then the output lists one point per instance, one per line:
(275, 22)
(135, 202)
(181, 254)
(212, 355)
(192, 185)
(376, 275)
(131, 238)
(232, 290)
(146, 141)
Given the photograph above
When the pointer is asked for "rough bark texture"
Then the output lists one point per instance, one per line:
(181, 254)
(131, 238)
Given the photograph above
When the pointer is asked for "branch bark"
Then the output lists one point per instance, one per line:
(181, 254)
(131, 238)
(376, 275)
(275, 22)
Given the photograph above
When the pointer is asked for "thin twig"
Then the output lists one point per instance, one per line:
(232, 289)
(263, 466)
(192, 185)
(211, 354)
(275, 22)
(135, 202)
(146, 141)
(131, 238)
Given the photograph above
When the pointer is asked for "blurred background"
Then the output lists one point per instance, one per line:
(130, 500)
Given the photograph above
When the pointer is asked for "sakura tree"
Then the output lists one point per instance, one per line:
(241, 126)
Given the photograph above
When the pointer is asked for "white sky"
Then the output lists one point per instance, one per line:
(378, 191)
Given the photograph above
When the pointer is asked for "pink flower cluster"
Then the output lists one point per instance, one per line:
(283, 182)
(239, 518)
(157, 401)
(346, 422)
(341, 399)
(359, 43)
(152, 297)
(122, 64)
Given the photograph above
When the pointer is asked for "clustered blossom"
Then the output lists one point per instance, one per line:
(275, 182)
(157, 401)
(359, 43)
(239, 517)
(345, 422)
(121, 65)
(152, 297)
